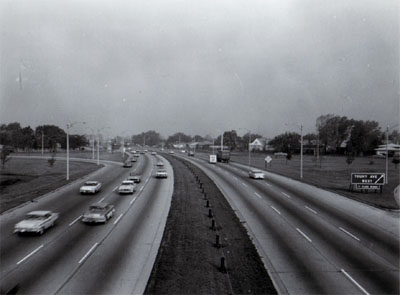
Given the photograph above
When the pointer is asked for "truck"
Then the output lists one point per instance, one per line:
(223, 156)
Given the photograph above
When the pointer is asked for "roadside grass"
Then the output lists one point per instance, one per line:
(332, 173)
(22, 180)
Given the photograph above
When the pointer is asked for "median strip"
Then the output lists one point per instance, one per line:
(30, 254)
(88, 253)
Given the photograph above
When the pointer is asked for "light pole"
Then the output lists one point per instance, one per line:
(68, 127)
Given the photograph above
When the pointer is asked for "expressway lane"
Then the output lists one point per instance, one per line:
(56, 254)
(308, 241)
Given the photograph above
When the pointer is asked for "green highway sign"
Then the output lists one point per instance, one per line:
(368, 178)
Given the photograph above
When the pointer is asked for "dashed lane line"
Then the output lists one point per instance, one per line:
(244, 184)
(101, 200)
(354, 282)
(286, 195)
(350, 234)
(258, 195)
(276, 210)
(304, 235)
(30, 254)
(118, 219)
(75, 220)
(312, 210)
(88, 253)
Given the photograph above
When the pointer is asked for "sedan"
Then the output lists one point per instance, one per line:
(256, 174)
(127, 165)
(90, 187)
(135, 178)
(98, 213)
(160, 164)
(161, 173)
(127, 187)
(36, 222)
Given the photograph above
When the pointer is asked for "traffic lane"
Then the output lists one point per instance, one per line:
(55, 260)
(347, 214)
(69, 203)
(293, 259)
(330, 239)
(124, 267)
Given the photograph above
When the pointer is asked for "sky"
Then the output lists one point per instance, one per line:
(198, 67)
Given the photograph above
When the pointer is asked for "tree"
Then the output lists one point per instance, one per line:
(230, 139)
(287, 142)
(394, 137)
(365, 136)
(333, 131)
(179, 137)
(53, 135)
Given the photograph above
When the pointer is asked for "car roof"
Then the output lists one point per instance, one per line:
(91, 181)
(99, 205)
(39, 212)
(256, 170)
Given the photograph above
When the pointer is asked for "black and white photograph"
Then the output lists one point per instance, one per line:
(199, 147)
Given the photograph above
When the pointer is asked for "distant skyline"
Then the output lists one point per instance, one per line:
(198, 67)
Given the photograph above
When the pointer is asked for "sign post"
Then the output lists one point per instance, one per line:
(267, 160)
(367, 181)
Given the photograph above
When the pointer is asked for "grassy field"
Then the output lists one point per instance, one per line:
(332, 173)
(22, 180)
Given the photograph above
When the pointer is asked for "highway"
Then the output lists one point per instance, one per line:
(312, 241)
(74, 257)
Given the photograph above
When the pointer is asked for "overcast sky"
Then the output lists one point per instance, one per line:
(199, 67)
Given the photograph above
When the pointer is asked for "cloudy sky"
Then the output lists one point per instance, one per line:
(198, 66)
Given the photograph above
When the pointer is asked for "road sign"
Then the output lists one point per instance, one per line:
(368, 186)
(268, 159)
(368, 178)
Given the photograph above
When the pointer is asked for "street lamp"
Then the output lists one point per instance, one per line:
(68, 127)
(301, 147)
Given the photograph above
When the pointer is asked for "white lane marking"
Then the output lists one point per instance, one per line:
(354, 282)
(75, 220)
(133, 200)
(115, 188)
(350, 234)
(118, 219)
(267, 184)
(257, 195)
(88, 253)
(244, 184)
(304, 235)
(312, 210)
(30, 254)
(102, 199)
(286, 195)
(276, 210)
(234, 177)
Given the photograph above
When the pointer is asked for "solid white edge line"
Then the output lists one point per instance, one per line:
(75, 220)
(276, 210)
(350, 234)
(257, 195)
(304, 235)
(286, 195)
(88, 253)
(312, 210)
(119, 217)
(101, 200)
(354, 282)
(30, 254)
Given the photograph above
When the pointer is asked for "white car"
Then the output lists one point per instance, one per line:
(36, 222)
(153, 153)
(171, 152)
(161, 173)
(90, 187)
(127, 187)
(256, 174)
(98, 213)
(160, 164)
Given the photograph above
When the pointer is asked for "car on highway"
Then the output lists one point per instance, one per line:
(90, 187)
(135, 178)
(127, 187)
(160, 164)
(127, 165)
(136, 155)
(153, 153)
(133, 159)
(191, 153)
(98, 213)
(256, 174)
(142, 152)
(161, 173)
(36, 222)
(171, 152)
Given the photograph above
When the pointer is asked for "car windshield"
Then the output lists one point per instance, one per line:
(91, 183)
(97, 209)
(35, 217)
(127, 183)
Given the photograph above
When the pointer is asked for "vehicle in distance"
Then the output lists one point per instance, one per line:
(223, 156)
(161, 173)
(213, 159)
(98, 213)
(36, 222)
(171, 152)
(153, 153)
(160, 164)
(127, 165)
(133, 159)
(136, 178)
(136, 155)
(127, 187)
(191, 153)
(256, 174)
(142, 152)
(90, 187)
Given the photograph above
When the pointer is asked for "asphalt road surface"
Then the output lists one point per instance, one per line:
(312, 241)
(77, 258)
